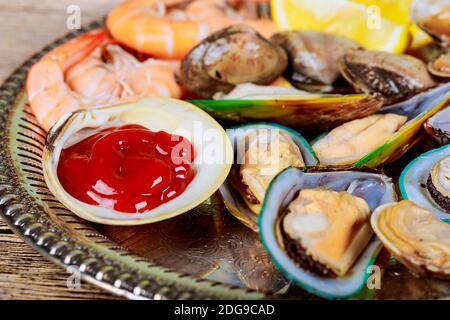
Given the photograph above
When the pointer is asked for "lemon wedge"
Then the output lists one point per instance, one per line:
(360, 20)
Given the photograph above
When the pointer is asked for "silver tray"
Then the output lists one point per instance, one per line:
(205, 253)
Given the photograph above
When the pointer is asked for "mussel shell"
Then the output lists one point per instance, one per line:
(233, 200)
(305, 113)
(438, 126)
(418, 110)
(285, 187)
(157, 114)
(413, 181)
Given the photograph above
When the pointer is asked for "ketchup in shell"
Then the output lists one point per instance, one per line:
(130, 169)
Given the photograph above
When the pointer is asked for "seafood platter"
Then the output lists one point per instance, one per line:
(190, 149)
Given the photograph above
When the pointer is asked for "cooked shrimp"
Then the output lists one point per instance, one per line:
(75, 76)
(170, 28)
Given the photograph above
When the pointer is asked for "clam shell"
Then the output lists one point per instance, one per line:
(157, 114)
(231, 197)
(283, 190)
(415, 265)
(413, 180)
(303, 112)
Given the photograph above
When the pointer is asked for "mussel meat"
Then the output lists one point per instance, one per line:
(234, 55)
(262, 151)
(386, 136)
(315, 223)
(438, 183)
(353, 140)
(426, 182)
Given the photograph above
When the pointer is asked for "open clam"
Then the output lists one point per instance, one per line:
(212, 157)
(415, 237)
(384, 137)
(306, 217)
(426, 182)
(262, 150)
(438, 126)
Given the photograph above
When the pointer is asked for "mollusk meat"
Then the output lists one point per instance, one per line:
(261, 151)
(426, 182)
(353, 140)
(438, 183)
(415, 237)
(305, 226)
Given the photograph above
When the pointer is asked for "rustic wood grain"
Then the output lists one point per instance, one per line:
(25, 27)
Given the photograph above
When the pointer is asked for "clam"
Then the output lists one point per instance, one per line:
(394, 76)
(313, 57)
(433, 16)
(440, 67)
(262, 150)
(382, 138)
(415, 237)
(315, 225)
(438, 126)
(426, 182)
(212, 160)
(234, 55)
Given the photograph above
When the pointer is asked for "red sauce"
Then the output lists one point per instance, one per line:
(129, 168)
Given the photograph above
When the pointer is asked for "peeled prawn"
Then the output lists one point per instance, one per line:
(170, 28)
(76, 76)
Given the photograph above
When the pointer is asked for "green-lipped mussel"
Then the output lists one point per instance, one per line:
(261, 151)
(315, 224)
(426, 181)
(384, 137)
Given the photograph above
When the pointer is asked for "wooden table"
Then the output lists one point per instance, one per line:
(25, 27)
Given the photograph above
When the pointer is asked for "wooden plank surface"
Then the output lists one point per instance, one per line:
(25, 27)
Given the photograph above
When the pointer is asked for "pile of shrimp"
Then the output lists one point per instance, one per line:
(97, 68)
